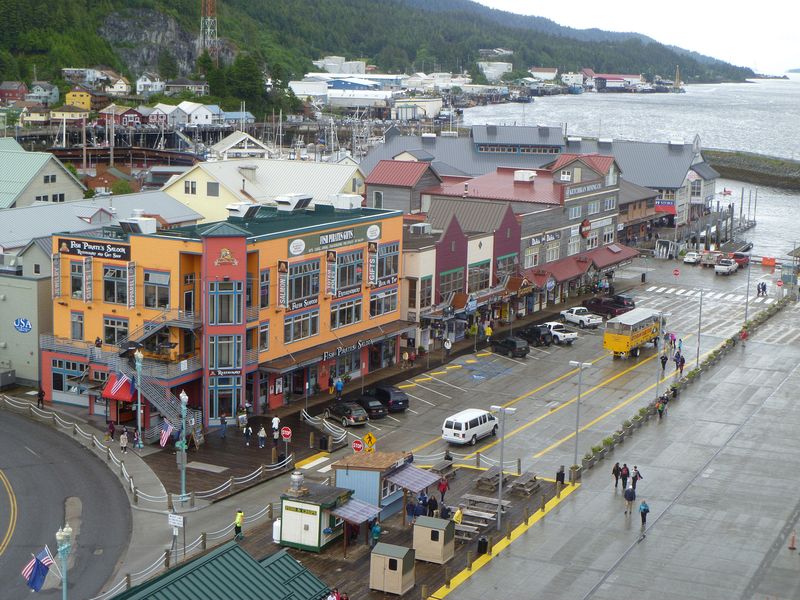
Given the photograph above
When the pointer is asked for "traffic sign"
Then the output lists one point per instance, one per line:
(779, 283)
(369, 440)
(357, 445)
(676, 272)
(286, 433)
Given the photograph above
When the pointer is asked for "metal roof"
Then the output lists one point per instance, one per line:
(10, 144)
(391, 550)
(630, 192)
(472, 214)
(371, 461)
(634, 316)
(597, 162)
(518, 135)
(356, 511)
(412, 478)
(433, 522)
(17, 169)
(705, 170)
(398, 173)
(500, 185)
(231, 573)
(230, 140)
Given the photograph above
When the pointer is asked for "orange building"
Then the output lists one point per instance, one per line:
(259, 309)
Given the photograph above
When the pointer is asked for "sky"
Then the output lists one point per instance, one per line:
(762, 36)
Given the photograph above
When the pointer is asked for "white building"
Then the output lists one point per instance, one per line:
(149, 83)
(572, 78)
(337, 64)
(543, 73)
(316, 90)
(175, 116)
(119, 86)
(196, 113)
(494, 71)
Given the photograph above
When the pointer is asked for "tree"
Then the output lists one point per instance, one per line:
(71, 168)
(121, 186)
(167, 65)
(246, 80)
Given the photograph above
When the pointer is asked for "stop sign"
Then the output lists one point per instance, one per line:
(676, 272)
(779, 283)
(286, 433)
(358, 445)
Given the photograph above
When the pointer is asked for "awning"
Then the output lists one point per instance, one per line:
(537, 276)
(611, 255)
(119, 388)
(313, 355)
(567, 269)
(412, 479)
(356, 511)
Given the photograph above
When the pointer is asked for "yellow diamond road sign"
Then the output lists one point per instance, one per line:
(369, 440)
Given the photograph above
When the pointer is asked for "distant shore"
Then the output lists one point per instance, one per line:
(755, 168)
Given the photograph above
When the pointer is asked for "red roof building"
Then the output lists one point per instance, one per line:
(398, 184)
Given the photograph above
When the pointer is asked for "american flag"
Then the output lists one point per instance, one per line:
(166, 431)
(44, 557)
(122, 379)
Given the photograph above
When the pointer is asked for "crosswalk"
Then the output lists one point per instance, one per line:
(695, 293)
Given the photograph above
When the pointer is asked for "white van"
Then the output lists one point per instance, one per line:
(468, 426)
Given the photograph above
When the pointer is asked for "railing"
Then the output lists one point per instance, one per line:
(169, 316)
(252, 313)
(251, 356)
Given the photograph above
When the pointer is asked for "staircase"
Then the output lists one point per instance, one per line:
(167, 318)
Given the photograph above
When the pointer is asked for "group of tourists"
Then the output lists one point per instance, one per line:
(629, 480)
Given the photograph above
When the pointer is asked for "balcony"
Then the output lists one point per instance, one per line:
(251, 313)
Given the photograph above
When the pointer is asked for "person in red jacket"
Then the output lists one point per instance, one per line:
(443, 487)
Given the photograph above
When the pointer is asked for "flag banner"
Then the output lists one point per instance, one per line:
(166, 430)
(35, 572)
(122, 379)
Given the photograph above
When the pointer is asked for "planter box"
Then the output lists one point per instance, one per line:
(628, 430)
(588, 463)
(575, 473)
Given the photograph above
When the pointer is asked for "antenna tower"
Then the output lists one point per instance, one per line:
(208, 29)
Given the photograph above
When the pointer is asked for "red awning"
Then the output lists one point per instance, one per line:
(538, 277)
(119, 388)
(611, 255)
(568, 269)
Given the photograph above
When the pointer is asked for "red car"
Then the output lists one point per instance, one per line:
(607, 307)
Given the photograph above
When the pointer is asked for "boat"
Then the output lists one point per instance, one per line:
(676, 87)
(575, 89)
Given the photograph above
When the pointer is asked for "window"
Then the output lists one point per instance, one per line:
(299, 327)
(574, 245)
(350, 269)
(574, 212)
(263, 337)
(412, 293)
(610, 203)
(426, 292)
(225, 302)
(37, 268)
(696, 188)
(593, 207)
(224, 352)
(451, 281)
(156, 289)
(345, 313)
(478, 277)
(114, 330)
(531, 258)
(263, 289)
(387, 488)
(190, 187)
(49, 178)
(566, 175)
(223, 396)
(591, 241)
(115, 285)
(212, 188)
(76, 325)
(44, 198)
(393, 564)
(506, 266)
(388, 259)
(665, 194)
(76, 279)
(553, 252)
(608, 235)
(188, 279)
(377, 199)
(384, 302)
(303, 280)
(434, 535)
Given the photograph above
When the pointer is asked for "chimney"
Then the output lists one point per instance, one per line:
(466, 190)
(296, 488)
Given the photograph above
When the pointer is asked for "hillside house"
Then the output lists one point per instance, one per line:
(122, 116)
(79, 96)
(149, 83)
(70, 114)
(176, 86)
(175, 117)
(196, 113)
(34, 116)
(43, 93)
(119, 86)
(12, 90)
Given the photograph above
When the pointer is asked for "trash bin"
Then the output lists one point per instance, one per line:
(323, 443)
(644, 277)
(483, 545)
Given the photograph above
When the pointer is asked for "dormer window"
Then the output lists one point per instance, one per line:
(566, 175)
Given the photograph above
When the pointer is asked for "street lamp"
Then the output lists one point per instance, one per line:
(581, 366)
(182, 443)
(503, 412)
(659, 341)
(138, 356)
(64, 541)
(747, 294)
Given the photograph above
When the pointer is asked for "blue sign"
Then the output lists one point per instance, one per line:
(22, 325)
(472, 305)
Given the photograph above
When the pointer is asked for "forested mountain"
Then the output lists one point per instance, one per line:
(285, 35)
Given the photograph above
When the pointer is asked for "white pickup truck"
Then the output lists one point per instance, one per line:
(580, 316)
(725, 266)
(561, 335)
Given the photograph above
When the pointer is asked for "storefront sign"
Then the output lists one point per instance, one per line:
(283, 283)
(87, 279)
(582, 189)
(348, 291)
(342, 350)
(544, 238)
(305, 303)
(310, 244)
(55, 277)
(472, 305)
(23, 325)
(226, 258)
(224, 372)
(93, 248)
(372, 263)
(330, 271)
(389, 280)
(131, 284)
(586, 228)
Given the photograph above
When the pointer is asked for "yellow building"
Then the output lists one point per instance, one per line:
(79, 97)
(209, 187)
(68, 113)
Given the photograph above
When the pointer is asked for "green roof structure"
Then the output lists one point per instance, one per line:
(230, 573)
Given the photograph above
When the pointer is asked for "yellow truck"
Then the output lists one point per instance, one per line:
(626, 334)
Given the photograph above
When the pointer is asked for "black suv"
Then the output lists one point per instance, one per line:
(375, 408)
(511, 346)
(624, 301)
(394, 399)
(538, 335)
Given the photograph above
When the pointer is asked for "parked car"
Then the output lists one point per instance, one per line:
(468, 426)
(604, 306)
(725, 266)
(373, 407)
(394, 399)
(511, 346)
(709, 258)
(536, 335)
(742, 259)
(347, 413)
(580, 316)
(691, 258)
(624, 301)
(561, 335)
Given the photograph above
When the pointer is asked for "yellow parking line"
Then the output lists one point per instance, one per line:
(483, 354)
(471, 360)
(418, 379)
(407, 385)
(448, 367)
(310, 459)
(12, 514)
(438, 372)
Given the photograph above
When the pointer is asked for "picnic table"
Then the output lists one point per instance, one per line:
(525, 484)
(444, 468)
(490, 479)
(478, 518)
(476, 501)
(465, 533)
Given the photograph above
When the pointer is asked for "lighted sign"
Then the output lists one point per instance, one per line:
(94, 248)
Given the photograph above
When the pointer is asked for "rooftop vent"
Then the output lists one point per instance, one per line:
(248, 172)
(491, 129)
(420, 228)
(676, 142)
(574, 138)
(245, 210)
(428, 138)
(524, 176)
(607, 141)
(139, 224)
(293, 202)
(544, 130)
(343, 201)
(296, 487)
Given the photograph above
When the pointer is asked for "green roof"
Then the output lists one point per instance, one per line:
(391, 550)
(7, 143)
(17, 168)
(230, 573)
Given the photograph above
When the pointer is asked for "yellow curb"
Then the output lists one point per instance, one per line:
(448, 367)
(483, 354)
(407, 385)
(438, 372)
(471, 360)
(310, 459)
(424, 379)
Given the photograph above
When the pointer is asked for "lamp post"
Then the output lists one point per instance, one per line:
(581, 366)
(503, 412)
(699, 323)
(747, 294)
(64, 541)
(659, 341)
(182, 450)
(138, 356)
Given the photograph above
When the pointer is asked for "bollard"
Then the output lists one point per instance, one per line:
(55, 423)
(558, 489)
(544, 503)
(203, 540)
(477, 459)
(519, 467)
(108, 453)
(447, 577)
(128, 581)
(508, 531)
(424, 592)
(793, 541)
(274, 455)
(311, 440)
(527, 515)
(166, 558)
(121, 466)
(491, 545)
(74, 429)
(263, 470)
(469, 561)
(269, 511)
(30, 409)
(230, 484)
(170, 504)
(136, 495)
(191, 500)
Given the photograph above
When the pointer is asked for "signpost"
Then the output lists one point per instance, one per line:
(370, 440)
(286, 434)
(177, 522)
(357, 445)
(779, 283)
(676, 272)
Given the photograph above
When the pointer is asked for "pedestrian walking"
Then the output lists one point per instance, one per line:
(660, 408)
(666, 340)
(411, 509)
(404, 357)
(262, 437)
(663, 360)
(643, 510)
(238, 521)
(433, 506)
(40, 398)
(339, 385)
(275, 437)
(136, 439)
(375, 536)
(764, 289)
(630, 496)
(636, 476)
(677, 359)
(248, 433)
(488, 331)
(276, 422)
(681, 363)
(443, 486)
(743, 335)
(458, 516)
(331, 384)
(672, 339)
(445, 512)
(615, 471)
(123, 441)
(111, 430)
(412, 358)
(423, 500)
(560, 476)
(223, 426)
(624, 473)
(680, 346)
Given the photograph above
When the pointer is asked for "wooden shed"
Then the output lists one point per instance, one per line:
(391, 569)
(434, 539)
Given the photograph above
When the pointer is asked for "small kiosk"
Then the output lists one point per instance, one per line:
(391, 569)
(434, 539)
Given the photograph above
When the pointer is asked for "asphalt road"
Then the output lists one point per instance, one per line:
(46, 472)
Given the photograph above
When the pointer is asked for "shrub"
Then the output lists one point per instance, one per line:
(626, 423)
(608, 442)
(597, 449)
